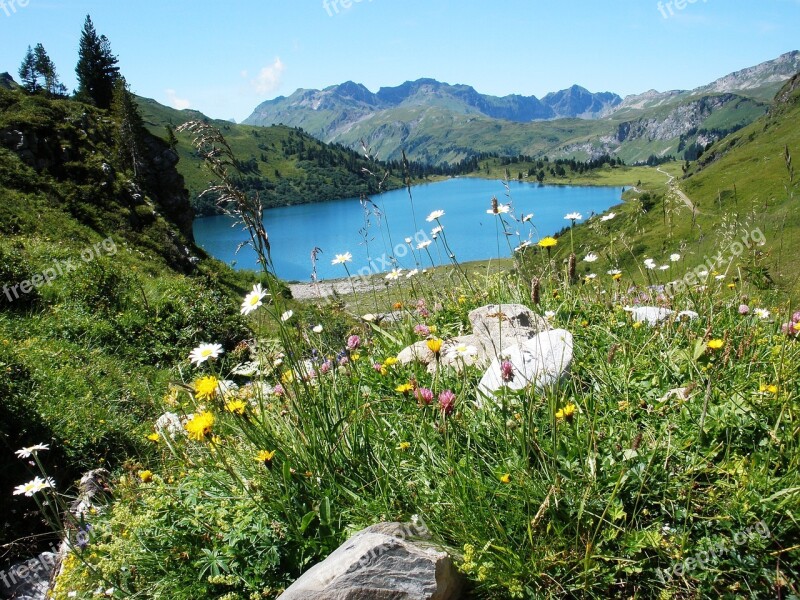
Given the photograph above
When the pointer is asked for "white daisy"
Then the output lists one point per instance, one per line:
(591, 257)
(527, 217)
(31, 450)
(761, 313)
(522, 246)
(342, 258)
(253, 300)
(317, 329)
(650, 263)
(437, 214)
(464, 352)
(502, 209)
(411, 273)
(205, 351)
(423, 245)
(394, 274)
(573, 216)
(287, 315)
(37, 484)
(674, 257)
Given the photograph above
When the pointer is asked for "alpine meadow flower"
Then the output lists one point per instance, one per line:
(674, 257)
(547, 242)
(608, 217)
(353, 342)
(394, 274)
(199, 426)
(342, 259)
(36, 485)
(424, 395)
(527, 217)
(501, 209)
(462, 351)
(31, 450)
(206, 351)
(317, 329)
(715, 344)
(591, 257)
(650, 263)
(253, 300)
(434, 345)
(146, 476)
(573, 216)
(287, 315)
(206, 388)
(437, 214)
(761, 313)
(447, 402)
(424, 244)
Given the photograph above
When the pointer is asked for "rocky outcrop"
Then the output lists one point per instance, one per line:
(392, 561)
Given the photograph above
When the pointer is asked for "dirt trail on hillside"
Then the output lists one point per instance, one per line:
(686, 200)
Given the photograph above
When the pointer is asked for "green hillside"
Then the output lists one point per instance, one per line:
(285, 165)
(741, 184)
(102, 292)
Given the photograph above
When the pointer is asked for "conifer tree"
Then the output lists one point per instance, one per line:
(130, 125)
(27, 72)
(97, 69)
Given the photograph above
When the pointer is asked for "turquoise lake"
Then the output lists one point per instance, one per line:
(336, 226)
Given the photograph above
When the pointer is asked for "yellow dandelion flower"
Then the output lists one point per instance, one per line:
(355, 356)
(392, 360)
(265, 456)
(770, 389)
(237, 407)
(715, 344)
(637, 325)
(404, 446)
(547, 242)
(434, 345)
(146, 476)
(506, 478)
(154, 437)
(404, 388)
(206, 387)
(287, 377)
(566, 413)
(199, 426)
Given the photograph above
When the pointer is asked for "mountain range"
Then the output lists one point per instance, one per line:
(438, 122)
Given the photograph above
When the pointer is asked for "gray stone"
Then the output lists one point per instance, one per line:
(29, 580)
(416, 352)
(391, 561)
(541, 362)
(498, 326)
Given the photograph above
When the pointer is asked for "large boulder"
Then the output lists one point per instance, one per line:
(391, 561)
(541, 361)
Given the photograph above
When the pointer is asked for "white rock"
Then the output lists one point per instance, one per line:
(541, 361)
(652, 315)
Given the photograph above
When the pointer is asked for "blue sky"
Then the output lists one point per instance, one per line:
(224, 57)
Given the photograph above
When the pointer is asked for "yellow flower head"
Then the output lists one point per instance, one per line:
(206, 387)
(287, 377)
(154, 437)
(770, 389)
(237, 407)
(404, 388)
(404, 446)
(566, 413)
(146, 476)
(506, 478)
(199, 427)
(390, 361)
(616, 276)
(265, 456)
(547, 242)
(434, 345)
(715, 344)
